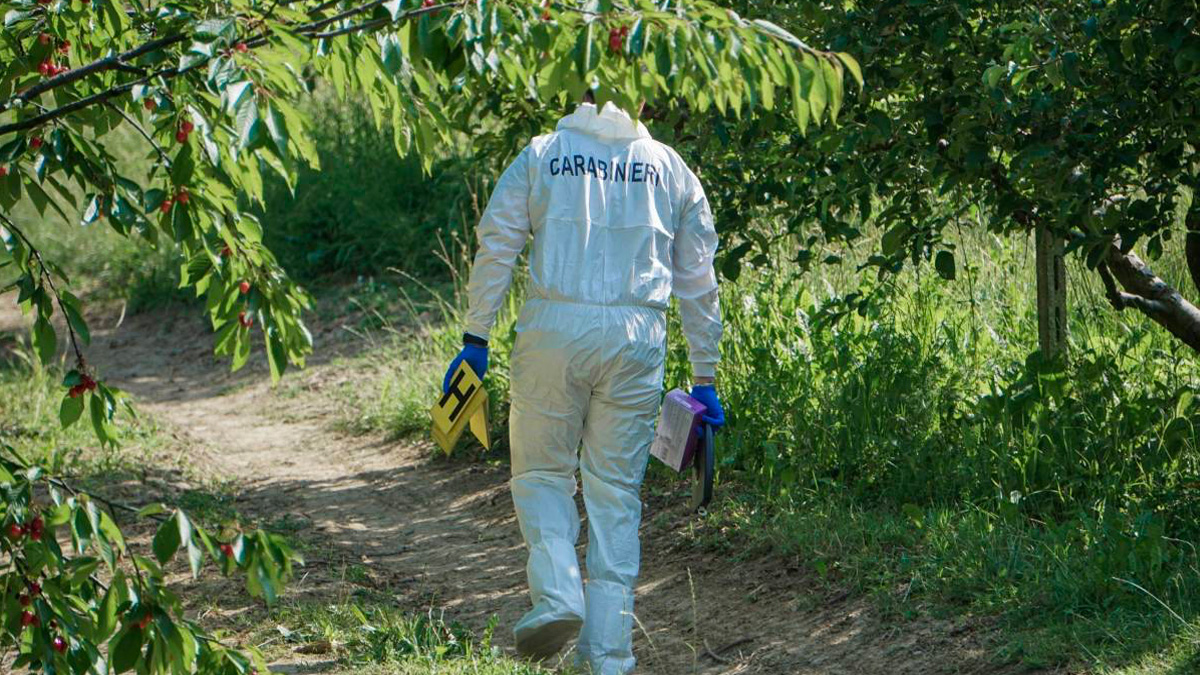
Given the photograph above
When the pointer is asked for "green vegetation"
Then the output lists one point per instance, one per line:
(892, 422)
(30, 400)
(1065, 500)
(372, 638)
(366, 209)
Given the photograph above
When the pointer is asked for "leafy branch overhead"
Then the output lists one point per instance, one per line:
(77, 597)
(215, 91)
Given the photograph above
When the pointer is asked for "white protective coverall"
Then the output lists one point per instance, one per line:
(619, 223)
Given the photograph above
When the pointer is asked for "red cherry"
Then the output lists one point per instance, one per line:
(35, 142)
(187, 126)
(614, 40)
(44, 38)
(60, 645)
(241, 47)
(75, 391)
(65, 46)
(150, 104)
(428, 3)
(45, 68)
(181, 136)
(35, 588)
(227, 550)
(35, 535)
(88, 382)
(182, 197)
(244, 287)
(38, 523)
(165, 207)
(15, 531)
(37, 620)
(27, 618)
(246, 321)
(144, 621)
(225, 252)
(24, 600)
(3, 171)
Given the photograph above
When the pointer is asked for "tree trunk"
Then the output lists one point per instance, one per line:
(1151, 295)
(1192, 248)
(1051, 294)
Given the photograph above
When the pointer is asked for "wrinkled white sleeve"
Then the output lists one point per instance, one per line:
(501, 233)
(695, 280)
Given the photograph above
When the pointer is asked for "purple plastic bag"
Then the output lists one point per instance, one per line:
(678, 430)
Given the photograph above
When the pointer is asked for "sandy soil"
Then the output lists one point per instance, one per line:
(441, 533)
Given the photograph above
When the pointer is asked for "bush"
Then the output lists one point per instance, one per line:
(366, 209)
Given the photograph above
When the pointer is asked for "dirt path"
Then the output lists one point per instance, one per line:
(442, 534)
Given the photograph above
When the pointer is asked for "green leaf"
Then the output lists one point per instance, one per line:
(93, 210)
(637, 37)
(127, 650)
(248, 124)
(71, 410)
(12, 149)
(852, 65)
(183, 166)
(99, 419)
(779, 33)
(110, 530)
(944, 263)
(394, 8)
(151, 510)
(166, 540)
(75, 319)
(276, 354)
(45, 341)
(587, 57)
(278, 130)
(832, 71)
(992, 76)
(817, 91)
(800, 107)
(894, 239)
(213, 29)
(106, 620)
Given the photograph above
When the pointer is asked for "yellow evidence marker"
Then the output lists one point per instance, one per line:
(466, 402)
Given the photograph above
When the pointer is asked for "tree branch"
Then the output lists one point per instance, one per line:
(1150, 295)
(149, 139)
(308, 30)
(99, 97)
(44, 272)
(108, 63)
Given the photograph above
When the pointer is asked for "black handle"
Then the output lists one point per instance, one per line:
(704, 465)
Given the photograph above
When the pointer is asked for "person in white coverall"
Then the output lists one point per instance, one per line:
(619, 224)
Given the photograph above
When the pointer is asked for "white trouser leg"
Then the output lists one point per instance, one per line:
(617, 434)
(546, 420)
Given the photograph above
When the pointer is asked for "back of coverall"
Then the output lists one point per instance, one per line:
(619, 223)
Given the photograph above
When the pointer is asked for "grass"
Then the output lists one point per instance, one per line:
(30, 397)
(1066, 498)
(915, 449)
(370, 637)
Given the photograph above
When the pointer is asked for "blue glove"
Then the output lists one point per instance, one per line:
(475, 355)
(714, 416)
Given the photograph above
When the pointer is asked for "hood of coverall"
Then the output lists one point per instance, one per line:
(607, 123)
